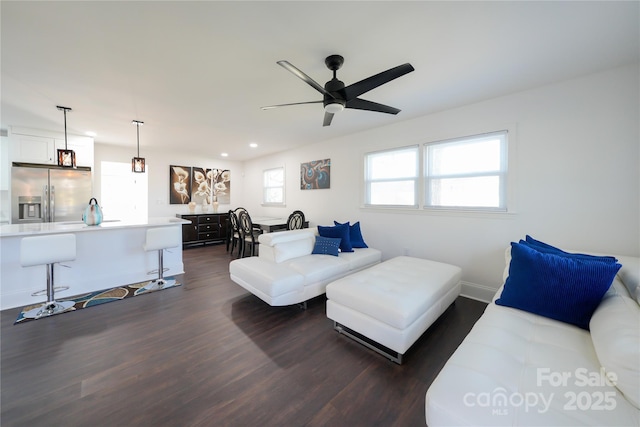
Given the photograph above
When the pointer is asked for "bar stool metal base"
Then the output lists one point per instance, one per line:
(49, 309)
(156, 285)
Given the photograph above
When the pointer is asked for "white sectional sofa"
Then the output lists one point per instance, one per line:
(516, 368)
(286, 272)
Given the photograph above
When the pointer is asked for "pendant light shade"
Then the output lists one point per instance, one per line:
(137, 163)
(66, 157)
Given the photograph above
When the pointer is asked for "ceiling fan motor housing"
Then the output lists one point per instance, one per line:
(336, 88)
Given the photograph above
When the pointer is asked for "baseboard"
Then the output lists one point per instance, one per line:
(477, 292)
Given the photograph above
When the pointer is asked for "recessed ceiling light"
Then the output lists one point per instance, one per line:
(253, 145)
(90, 133)
(224, 154)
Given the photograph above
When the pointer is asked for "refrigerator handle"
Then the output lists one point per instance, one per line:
(45, 198)
(53, 203)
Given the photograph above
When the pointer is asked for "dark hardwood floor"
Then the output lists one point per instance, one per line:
(208, 353)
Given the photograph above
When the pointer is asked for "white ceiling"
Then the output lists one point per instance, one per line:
(197, 73)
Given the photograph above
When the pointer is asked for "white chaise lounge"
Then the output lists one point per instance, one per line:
(286, 272)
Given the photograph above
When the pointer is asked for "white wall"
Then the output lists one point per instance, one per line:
(158, 163)
(577, 182)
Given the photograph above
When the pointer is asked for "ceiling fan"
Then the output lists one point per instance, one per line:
(337, 97)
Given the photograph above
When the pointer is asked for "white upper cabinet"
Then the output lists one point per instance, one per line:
(37, 146)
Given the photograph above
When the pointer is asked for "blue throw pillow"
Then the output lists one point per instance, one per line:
(326, 246)
(355, 235)
(556, 286)
(547, 248)
(339, 231)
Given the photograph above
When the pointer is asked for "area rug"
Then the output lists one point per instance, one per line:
(101, 297)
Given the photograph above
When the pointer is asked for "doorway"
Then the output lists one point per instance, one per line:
(124, 193)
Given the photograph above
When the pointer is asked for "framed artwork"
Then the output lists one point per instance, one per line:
(179, 185)
(315, 175)
(221, 179)
(199, 185)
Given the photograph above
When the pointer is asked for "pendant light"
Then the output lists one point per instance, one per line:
(66, 157)
(137, 163)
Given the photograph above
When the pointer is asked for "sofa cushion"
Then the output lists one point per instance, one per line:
(361, 257)
(355, 234)
(318, 268)
(341, 231)
(326, 246)
(292, 249)
(271, 239)
(266, 277)
(556, 286)
(615, 331)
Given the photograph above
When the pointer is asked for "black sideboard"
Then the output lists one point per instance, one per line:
(204, 228)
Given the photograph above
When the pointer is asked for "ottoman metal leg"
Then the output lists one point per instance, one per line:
(388, 353)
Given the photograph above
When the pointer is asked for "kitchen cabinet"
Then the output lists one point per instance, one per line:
(37, 146)
(204, 228)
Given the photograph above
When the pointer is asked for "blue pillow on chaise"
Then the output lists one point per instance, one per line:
(338, 231)
(355, 235)
(556, 286)
(547, 248)
(326, 246)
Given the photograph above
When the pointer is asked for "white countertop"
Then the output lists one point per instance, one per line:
(11, 230)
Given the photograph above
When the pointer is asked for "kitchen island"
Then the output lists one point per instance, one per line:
(107, 255)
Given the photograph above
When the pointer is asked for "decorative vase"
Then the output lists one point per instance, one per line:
(192, 207)
(215, 207)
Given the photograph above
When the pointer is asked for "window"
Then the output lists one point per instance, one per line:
(391, 177)
(273, 186)
(467, 173)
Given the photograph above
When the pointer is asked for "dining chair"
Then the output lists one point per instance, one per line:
(249, 234)
(295, 221)
(234, 233)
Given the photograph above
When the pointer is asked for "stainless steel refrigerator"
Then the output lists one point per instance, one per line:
(47, 193)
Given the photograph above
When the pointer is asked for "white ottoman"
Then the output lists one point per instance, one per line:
(390, 305)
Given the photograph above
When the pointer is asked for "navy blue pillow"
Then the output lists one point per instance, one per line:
(326, 246)
(340, 231)
(547, 248)
(556, 286)
(355, 235)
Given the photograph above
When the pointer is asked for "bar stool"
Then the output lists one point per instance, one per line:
(159, 239)
(48, 250)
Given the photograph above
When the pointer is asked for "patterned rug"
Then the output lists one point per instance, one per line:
(101, 297)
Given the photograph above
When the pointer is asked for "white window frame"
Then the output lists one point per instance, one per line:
(266, 188)
(369, 181)
(501, 172)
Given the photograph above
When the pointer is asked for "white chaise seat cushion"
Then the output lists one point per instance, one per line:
(318, 268)
(361, 257)
(396, 292)
(266, 277)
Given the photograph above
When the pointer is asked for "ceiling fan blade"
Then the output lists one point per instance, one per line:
(327, 119)
(356, 89)
(286, 65)
(363, 104)
(270, 107)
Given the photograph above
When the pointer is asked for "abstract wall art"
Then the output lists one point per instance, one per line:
(315, 175)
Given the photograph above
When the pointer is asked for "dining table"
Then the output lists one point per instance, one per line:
(271, 224)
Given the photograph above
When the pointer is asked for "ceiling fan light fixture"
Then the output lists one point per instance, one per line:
(333, 108)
